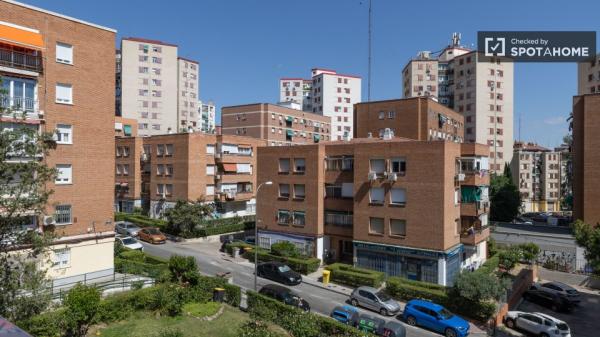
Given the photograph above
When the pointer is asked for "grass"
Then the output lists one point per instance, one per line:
(202, 309)
(145, 324)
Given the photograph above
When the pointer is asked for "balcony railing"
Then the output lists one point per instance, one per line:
(20, 60)
(341, 220)
(10, 105)
(473, 236)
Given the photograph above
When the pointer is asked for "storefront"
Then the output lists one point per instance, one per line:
(439, 267)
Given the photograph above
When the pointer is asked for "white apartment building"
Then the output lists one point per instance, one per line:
(296, 90)
(588, 79)
(538, 173)
(327, 93)
(207, 116)
(187, 102)
(482, 91)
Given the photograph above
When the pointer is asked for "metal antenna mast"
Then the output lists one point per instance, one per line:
(370, 43)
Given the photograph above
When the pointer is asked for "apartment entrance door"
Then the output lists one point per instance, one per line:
(413, 270)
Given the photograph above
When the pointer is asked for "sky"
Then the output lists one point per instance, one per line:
(245, 46)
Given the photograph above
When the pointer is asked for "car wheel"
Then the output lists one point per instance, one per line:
(450, 332)
(354, 302)
(510, 323)
(383, 311)
(410, 320)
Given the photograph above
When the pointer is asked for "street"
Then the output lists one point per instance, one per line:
(211, 262)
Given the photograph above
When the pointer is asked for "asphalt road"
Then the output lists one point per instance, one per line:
(211, 262)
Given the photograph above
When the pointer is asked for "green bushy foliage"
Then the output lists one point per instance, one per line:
(354, 276)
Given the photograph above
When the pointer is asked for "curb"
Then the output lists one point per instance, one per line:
(318, 284)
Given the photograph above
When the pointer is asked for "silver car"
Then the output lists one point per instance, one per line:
(126, 228)
(375, 300)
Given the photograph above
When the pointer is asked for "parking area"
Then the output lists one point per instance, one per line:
(584, 320)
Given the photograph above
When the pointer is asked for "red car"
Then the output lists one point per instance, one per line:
(152, 235)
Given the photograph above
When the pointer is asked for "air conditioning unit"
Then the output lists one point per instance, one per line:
(48, 220)
(460, 177)
(372, 176)
(392, 176)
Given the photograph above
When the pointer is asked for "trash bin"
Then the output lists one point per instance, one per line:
(326, 274)
(218, 295)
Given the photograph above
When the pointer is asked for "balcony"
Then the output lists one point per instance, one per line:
(340, 220)
(474, 208)
(21, 60)
(473, 236)
(19, 107)
(475, 178)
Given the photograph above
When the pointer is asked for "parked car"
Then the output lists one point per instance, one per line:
(152, 235)
(345, 314)
(129, 242)
(393, 329)
(279, 272)
(522, 221)
(559, 288)
(541, 217)
(285, 295)
(375, 300)
(435, 317)
(548, 299)
(126, 228)
(537, 323)
(368, 323)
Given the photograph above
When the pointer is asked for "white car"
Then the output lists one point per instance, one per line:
(129, 242)
(537, 323)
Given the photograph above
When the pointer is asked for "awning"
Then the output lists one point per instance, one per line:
(289, 119)
(316, 138)
(20, 36)
(290, 133)
(127, 130)
(230, 167)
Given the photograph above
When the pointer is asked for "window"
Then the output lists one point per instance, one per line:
(381, 114)
(377, 194)
(168, 189)
(398, 196)
(397, 227)
(283, 217)
(399, 166)
(160, 150)
(160, 169)
(284, 165)
(125, 169)
(210, 189)
(64, 93)
(125, 152)
(64, 53)
(210, 149)
(64, 174)
(299, 218)
(376, 226)
(169, 170)
(160, 189)
(210, 170)
(284, 190)
(299, 191)
(63, 134)
(62, 258)
(378, 166)
(391, 114)
(299, 165)
(62, 214)
(169, 150)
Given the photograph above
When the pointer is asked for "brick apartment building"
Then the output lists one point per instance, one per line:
(588, 76)
(276, 124)
(155, 172)
(586, 158)
(59, 72)
(538, 172)
(390, 204)
(434, 121)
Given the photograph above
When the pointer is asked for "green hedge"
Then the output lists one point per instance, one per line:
(355, 277)
(489, 266)
(297, 322)
(304, 266)
(140, 220)
(406, 290)
(223, 229)
(140, 268)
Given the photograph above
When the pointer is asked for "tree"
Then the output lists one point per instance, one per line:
(81, 307)
(23, 180)
(479, 287)
(285, 248)
(504, 197)
(186, 216)
(529, 251)
(508, 259)
(184, 269)
(588, 237)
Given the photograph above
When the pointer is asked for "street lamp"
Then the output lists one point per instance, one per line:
(256, 237)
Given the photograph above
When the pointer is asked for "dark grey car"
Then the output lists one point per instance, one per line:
(376, 300)
(127, 228)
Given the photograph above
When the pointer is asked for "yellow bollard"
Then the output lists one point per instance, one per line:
(326, 274)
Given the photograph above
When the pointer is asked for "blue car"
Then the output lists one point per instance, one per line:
(435, 317)
(345, 314)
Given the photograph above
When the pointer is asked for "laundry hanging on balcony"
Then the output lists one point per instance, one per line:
(470, 194)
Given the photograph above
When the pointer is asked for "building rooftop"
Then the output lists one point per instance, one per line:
(139, 39)
(187, 59)
(529, 146)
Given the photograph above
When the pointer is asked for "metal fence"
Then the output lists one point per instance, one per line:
(104, 283)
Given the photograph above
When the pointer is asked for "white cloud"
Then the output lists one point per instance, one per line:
(555, 120)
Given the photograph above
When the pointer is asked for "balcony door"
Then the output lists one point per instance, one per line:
(18, 94)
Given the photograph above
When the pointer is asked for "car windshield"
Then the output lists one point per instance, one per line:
(562, 326)
(283, 269)
(572, 291)
(153, 231)
(383, 296)
(445, 314)
(129, 241)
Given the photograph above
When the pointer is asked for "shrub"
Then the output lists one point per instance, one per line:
(48, 324)
(223, 229)
(256, 329)
(135, 285)
(81, 306)
(490, 265)
(304, 265)
(155, 271)
(529, 251)
(479, 287)
(355, 277)
(133, 255)
(168, 300)
(508, 259)
(407, 290)
(183, 269)
(285, 249)
(295, 321)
